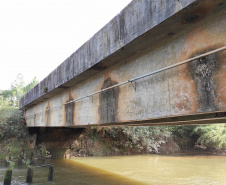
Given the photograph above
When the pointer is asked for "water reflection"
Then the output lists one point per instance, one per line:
(129, 170)
(158, 169)
(67, 172)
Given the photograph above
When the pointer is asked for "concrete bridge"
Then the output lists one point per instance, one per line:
(158, 62)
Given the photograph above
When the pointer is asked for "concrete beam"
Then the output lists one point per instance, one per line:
(154, 35)
(140, 25)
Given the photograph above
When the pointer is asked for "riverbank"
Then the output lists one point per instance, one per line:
(69, 143)
(19, 143)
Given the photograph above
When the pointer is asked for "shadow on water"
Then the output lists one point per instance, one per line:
(176, 169)
(70, 173)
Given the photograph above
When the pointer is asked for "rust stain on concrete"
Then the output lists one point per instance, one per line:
(48, 115)
(35, 116)
(220, 81)
(183, 95)
(69, 111)
(202, 72)
(200, 75)
(108, 105)
(34, 119)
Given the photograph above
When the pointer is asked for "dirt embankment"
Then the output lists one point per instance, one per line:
(86, 142)
(64, 143)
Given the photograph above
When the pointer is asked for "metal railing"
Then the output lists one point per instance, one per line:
(137, 78)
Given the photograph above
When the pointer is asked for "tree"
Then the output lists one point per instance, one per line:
(211, 136)
(18, 88)
(13, 132)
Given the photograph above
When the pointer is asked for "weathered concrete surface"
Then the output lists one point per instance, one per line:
(111, 45)
(144, 37)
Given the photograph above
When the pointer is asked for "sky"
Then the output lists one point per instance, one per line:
(38, 35)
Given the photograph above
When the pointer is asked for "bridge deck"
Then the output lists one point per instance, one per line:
(145, 37)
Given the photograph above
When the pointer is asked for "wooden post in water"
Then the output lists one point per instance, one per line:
(50, 176)
(8, 177)
(29, 177)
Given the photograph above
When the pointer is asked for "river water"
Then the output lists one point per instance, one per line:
(130, 170)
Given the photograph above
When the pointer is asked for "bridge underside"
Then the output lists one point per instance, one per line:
(155, 35)
(194, 119)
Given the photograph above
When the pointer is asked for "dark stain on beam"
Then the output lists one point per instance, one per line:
(198, 10)
(109, 102)
(63, 87)
(48, 115)
(99, 67)
(69, 112)
(203, 71)
(34, 119)
(192, 18)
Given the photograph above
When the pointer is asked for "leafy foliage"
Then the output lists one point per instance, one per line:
(184, 135)
(11, 125)
(13, 132)
(10, 98)
(211, 136)
(93, 133)
(125, 140)
(145, 139)
(150, 138)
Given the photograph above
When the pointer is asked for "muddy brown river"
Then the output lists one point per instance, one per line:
(130, 170)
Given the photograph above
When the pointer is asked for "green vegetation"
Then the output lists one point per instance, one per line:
(45, 89)
(211, 136)
(8, 177)
(10, 98)
(184, 136)
(124, 140)
(13, 132)
(43, 152)
(147, 139)
(205, 136)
